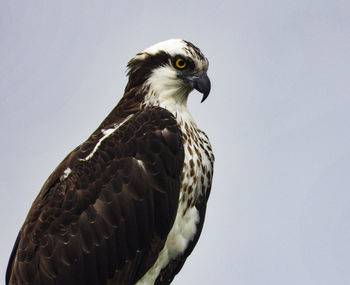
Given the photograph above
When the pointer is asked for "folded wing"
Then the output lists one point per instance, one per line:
(104, 214)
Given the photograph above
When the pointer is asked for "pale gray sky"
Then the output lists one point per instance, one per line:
(278, 119)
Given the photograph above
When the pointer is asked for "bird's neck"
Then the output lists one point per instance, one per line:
(140, 97)
(172, 99)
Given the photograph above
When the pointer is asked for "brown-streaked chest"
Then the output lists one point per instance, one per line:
(198, 164)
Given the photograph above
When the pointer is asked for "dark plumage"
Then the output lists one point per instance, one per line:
(105, 213)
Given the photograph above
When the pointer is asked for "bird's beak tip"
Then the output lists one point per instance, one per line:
(201, 83)
(205, 96)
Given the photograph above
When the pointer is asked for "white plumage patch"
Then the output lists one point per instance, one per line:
(106, 134)
(173, 46)
(65, 174)
(182, 232)
(171, 95)
(141, 164)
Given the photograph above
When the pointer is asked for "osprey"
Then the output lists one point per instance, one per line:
(126, 206)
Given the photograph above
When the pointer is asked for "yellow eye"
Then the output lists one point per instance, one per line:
(180, 63)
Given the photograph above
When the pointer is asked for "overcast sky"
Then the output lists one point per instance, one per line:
(278, 117)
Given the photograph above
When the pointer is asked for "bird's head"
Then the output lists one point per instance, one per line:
(169, 71)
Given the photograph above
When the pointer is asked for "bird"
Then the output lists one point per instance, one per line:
(126, 206)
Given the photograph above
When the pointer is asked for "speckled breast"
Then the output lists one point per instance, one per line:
(198, 165)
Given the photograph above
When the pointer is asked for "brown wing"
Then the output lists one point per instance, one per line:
(106, 222)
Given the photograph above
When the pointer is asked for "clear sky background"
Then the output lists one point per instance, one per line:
(277, 116)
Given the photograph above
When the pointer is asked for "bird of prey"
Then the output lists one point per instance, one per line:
(126, 206)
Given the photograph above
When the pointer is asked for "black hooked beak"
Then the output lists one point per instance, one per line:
(200, 82)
